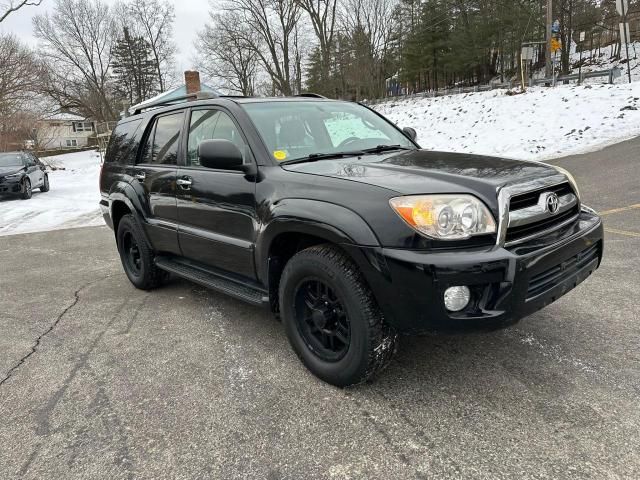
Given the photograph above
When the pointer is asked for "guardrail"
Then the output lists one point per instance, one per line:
(611, 75)
(443, 92)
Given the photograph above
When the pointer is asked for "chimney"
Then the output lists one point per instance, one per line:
(192, 80)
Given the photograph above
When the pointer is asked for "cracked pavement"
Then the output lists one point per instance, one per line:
(100, 380)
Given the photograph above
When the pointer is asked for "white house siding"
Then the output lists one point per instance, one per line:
(59, 132)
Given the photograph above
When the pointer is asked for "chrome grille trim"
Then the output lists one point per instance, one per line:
(542, 232)
(505, 194)
(538, 212)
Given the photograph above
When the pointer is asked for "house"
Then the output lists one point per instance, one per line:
(63, 130)
(192, 84)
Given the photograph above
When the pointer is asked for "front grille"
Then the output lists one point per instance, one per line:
(530, 199)
(530, 229)
(548, 279)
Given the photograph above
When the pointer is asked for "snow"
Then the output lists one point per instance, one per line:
(71, 202)
(541, 124)
(602, 59)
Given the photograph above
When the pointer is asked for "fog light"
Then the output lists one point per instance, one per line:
(456, 298)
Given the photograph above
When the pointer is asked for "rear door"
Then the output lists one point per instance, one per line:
(216, 208)
(154, 178)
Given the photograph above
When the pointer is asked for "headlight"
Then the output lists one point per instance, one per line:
(572, 180)
(445, 217)
(14, 175)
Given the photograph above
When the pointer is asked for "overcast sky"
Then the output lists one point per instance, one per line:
(191, 15)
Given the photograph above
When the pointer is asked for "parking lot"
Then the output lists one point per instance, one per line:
(99, 380)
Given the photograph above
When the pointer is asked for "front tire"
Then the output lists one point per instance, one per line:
(332, 319)
(45, 184)
(137, 256)
(26, 192)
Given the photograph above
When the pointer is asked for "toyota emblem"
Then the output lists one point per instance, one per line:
(551, 202)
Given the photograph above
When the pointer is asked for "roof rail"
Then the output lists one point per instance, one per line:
(310, 95)
(163, 103)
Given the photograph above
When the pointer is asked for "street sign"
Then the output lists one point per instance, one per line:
(527, 53)
(622, 6)
(555, 28)
(583, 35)
(625, 32)
(555, 45)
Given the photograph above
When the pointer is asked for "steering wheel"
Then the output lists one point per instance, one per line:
(348, 141)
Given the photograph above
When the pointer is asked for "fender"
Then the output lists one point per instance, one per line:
(326, 220)
(124, 192)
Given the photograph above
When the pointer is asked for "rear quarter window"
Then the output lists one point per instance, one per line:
(124, 142)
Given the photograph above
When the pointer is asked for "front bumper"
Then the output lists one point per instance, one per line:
(506, 284)
(10, 185)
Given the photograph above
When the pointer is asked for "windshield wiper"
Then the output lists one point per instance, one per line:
(385, 148)
(323, 156)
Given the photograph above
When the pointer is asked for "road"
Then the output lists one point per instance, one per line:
(99, 380)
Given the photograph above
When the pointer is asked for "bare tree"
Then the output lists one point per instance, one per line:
(78, 40)
(153, 21)
(274, 24)
(370, 25)
(20, 75)
(225, 47)
(322, 14)
(7, 7)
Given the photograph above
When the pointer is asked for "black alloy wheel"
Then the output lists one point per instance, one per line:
(26, 191)
(322, 320)
(131, 253)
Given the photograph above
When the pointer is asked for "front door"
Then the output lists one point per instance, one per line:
(35, 173)
(216, 208)
(154, 178)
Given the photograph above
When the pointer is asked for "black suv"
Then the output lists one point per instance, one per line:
(335, 219)
(20, 173)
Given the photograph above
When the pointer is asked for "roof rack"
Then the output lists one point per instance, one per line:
(310, 95)
(163, 103)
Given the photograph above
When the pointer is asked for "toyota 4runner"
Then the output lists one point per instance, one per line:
(335, 219)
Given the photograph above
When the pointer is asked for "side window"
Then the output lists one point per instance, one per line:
(162, 143)
(124, 138)
(201, 127)
(211, 125)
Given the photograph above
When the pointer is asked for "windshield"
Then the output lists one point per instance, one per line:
(11, 160)
(296, 130)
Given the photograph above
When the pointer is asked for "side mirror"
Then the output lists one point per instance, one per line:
(220, 154)
(410, 132)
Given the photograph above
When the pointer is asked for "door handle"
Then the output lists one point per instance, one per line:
(140, 176)
(184, 183)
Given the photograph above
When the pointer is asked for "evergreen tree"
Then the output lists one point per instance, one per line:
(134, 69)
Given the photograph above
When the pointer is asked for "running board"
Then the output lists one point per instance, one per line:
(246, 293)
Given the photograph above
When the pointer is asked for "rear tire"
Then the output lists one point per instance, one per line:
(332, 319)
(45, 184)
(137, 256)
(26, 191)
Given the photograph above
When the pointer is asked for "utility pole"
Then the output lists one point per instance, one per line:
(549, 65)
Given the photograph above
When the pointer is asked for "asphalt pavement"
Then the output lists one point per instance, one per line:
(100, 380)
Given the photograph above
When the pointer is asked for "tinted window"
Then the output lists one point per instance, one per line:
(166, 135)
(211, 125)
(124, 140)
(202, 126)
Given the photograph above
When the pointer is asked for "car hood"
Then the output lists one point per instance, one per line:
(10, 170)
(423, 171)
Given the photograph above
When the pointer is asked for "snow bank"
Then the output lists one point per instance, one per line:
(542, 124)
(71, 202)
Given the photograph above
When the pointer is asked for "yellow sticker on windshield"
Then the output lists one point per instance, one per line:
(279, 155)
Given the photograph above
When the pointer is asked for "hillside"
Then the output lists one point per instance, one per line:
(541, 124)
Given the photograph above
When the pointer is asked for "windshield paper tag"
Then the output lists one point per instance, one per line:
(279, 155)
